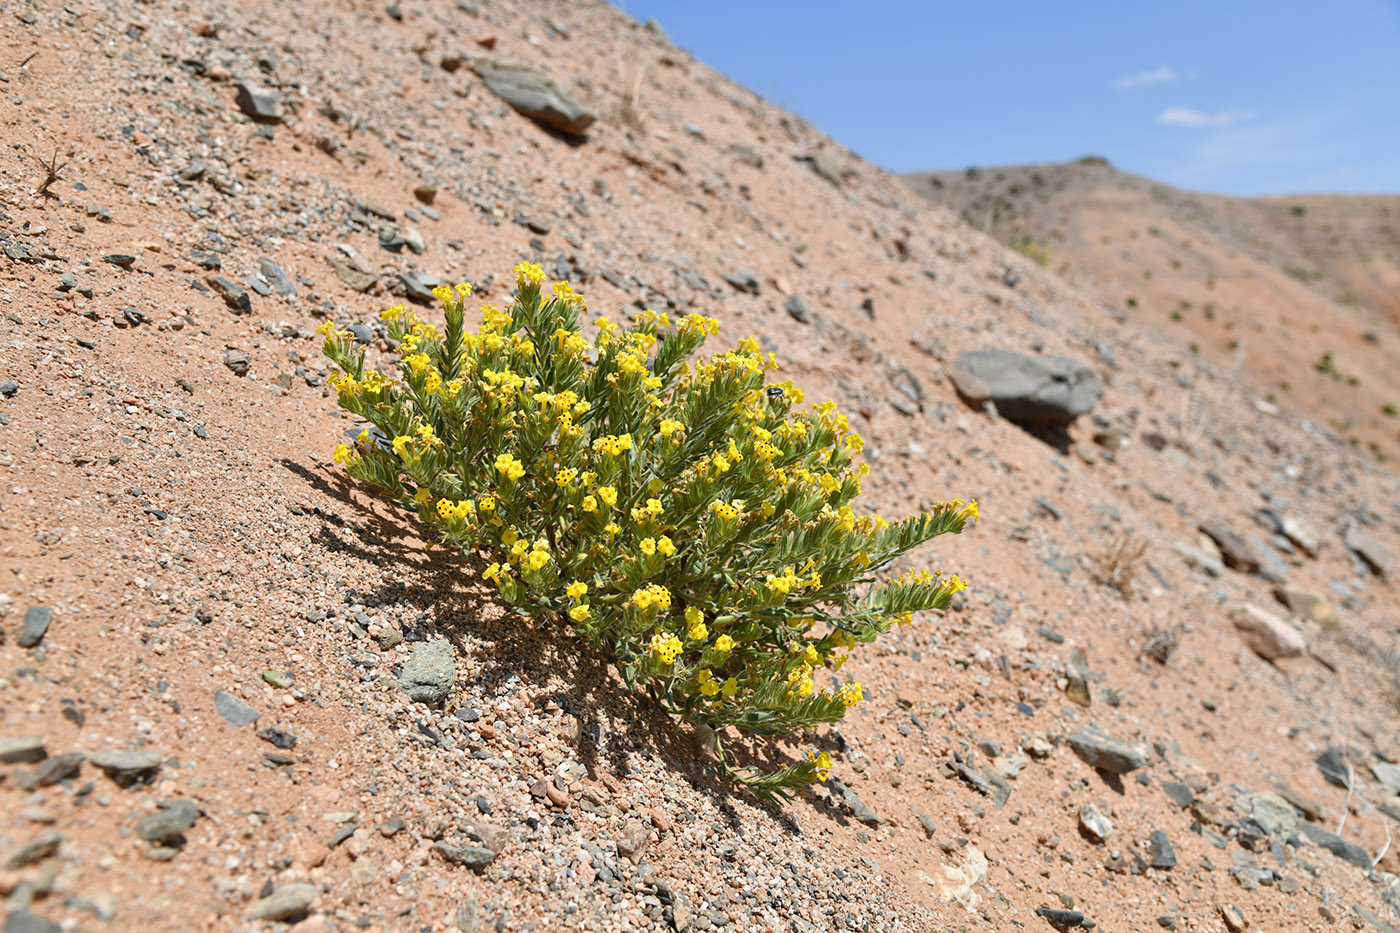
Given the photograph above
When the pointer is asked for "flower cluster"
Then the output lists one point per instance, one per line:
(691, 515)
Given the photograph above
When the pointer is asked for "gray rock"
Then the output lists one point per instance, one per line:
(1159, 850)
(430, 672)
(1233, 550)
(1274, 814)
(1334, 766)
(261, 103)
(1346, 851)
(859, 808)
(1105, 754)
(413, 239)
(474, 857)
(1271, 566)
(233, 294)
(1061, 919)
(36, 624)
(235, 712)
(274, 274)
(168, 824)
(237, 361)
(1180, 794)
(46, 846)
(1364, 543)
(286, 902)
(827, 167)
(21, 920)
(743, 280)
(1266, 634)
(59, 768)
(1048, 391)
(1299, 533)
(534, 95)
(388, 638)
(22, 750)
(128, 766)
(1094, 824)
(9, 388)
(1196, 557)
(1388, 774)
(278, 738)
(797, 308)
(353, 278)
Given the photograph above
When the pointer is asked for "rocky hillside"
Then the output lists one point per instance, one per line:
(1169, 698)
(1237, 280)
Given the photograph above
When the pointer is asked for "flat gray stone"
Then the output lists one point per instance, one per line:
(1034, 391)
(1105, 754)
(286, 902)
(430, 672)
(21, 920)
(1274, 814)
(46, 846)
(24, 750)
(1094, 824)
(1364, 543)
(235, 712)
(276, 277)
(261, 103)
(474, 857)
(127, 766)
(1160, 853)
(36, 625)
(534, 95)
(1266, 634)
(1348, 852)
(169, 823)
(1388, 774)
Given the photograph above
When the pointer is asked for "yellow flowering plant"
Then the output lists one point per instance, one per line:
(691, 517)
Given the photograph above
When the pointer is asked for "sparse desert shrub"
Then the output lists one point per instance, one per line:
(687, 517)
(1119, 562)
(1036, 252)
(1159, 643)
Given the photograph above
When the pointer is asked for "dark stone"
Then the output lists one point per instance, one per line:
(1346, 851)
(261, 103)
(36, 624)
(1237, 554)
(535, 96)
(743, 280)
(169, 823)
(8, 388)
(278, 279)
(235, 712)
(796, 307)
(124, 260)
(474, 857)
(1334, 766)
(1180, 794)
(1060, 919)
(58, 768)
(1106, 754)
(1159, 850)
(1048, 391)
(233, 294)
(280, 738)
(21, 920)
(237, 361)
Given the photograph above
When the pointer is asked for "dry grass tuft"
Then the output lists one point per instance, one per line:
(1120, 562)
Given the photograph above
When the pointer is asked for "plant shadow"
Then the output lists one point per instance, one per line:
(498, 650)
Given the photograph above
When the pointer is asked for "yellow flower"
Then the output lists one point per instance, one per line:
(670, 426)
(665, 546)
(729, 688)
(576, 589)
(708, 686)
(823, 764)
(666, 648)
(724, 644)
(342, 455)
(391, 314)
(648, 546)
(537, 559)
(509, 467)
(608, 494)
(464, 290)
(589, 504)
(487, 504)
(850, 694)
(442, 293)
(401, 445)
(612, 528)
(564, 477)
(697, 632)
(579, 614)
(527, 273)
(653, 595)
(422, 495)
(492, 573)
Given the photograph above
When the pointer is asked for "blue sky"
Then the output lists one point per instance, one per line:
(1240, 98)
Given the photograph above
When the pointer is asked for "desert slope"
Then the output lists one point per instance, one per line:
(1241, 280)
(191, 583)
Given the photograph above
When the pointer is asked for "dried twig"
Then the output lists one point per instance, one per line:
(51, 169)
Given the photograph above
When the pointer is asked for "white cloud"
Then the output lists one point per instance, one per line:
(1162, 75)
(1187, 116)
